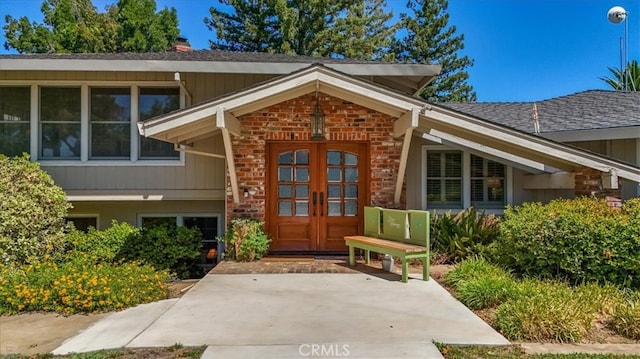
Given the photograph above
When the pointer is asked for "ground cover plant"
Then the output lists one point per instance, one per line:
(514, 352)
(544, 310)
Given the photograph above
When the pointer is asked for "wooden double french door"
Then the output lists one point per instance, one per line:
(316, 192)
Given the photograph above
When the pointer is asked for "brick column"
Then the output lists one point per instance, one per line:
(588, 182)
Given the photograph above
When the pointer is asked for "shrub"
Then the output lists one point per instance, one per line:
(78, 286)
(103, 245)
(174, 248)
(549, 315)
(580, 240)
(32, 212)
(463, 235)
(246, 240)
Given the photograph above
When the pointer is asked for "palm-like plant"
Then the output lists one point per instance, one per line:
(620, 77)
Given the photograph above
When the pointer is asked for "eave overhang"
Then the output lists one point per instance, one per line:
(408, 78)
(414, 117)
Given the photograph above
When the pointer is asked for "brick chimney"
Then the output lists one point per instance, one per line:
(181, 45)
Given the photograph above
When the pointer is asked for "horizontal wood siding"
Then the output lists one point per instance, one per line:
(198, 173)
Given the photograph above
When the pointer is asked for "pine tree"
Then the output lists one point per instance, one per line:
(363, 33)
(339, 28)
(430, 40)
(76, 26)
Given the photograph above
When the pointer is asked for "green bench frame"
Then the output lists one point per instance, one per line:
(400, 233)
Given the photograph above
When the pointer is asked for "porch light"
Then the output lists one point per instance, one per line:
(317, 122)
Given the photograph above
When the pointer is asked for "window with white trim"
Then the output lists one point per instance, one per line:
(60, 122)
(457, 179)
(444, 179)
(15, 114)
(86, 124)
(154, 101)
(110, 123)
(487, 183)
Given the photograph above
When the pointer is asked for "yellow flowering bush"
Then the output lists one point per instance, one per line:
(79, 286)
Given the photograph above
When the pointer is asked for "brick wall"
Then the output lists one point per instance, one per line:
(289, 121)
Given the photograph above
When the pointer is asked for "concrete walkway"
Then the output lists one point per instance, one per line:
(297, 315)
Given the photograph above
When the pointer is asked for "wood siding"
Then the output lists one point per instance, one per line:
(197, 173)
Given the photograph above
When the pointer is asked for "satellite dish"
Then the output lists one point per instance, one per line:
(617, 14)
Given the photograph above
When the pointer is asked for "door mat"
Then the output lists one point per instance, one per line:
(287, 259)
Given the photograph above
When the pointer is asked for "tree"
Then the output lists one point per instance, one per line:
(363, 33)
(76, 26)
(338, 28)
(620, 77)
(32, 212)
(430, 40)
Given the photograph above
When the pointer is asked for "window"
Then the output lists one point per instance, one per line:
(444, 179)
(14, 120)
(60, 122)
(154, 101)
(207, 224)
(83, 223)
(487, 183)
(457, 179)
(110, 123)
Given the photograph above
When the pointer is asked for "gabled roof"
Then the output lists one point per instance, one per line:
(588, 110)
(414, 117)
(406, 77)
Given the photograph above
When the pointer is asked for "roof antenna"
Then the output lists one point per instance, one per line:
(536, 120)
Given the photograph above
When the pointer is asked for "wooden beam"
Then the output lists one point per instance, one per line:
(228, 151)
(405, 122)
(560, 180)
(185, 149)
(404, 155)
(610, 180)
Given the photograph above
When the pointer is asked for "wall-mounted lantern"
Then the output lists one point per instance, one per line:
(317, 121)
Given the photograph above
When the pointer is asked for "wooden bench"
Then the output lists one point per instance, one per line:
(404, 234)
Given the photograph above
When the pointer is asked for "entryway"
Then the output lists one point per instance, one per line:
(316, 192)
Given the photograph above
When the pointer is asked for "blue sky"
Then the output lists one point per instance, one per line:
(524, 50)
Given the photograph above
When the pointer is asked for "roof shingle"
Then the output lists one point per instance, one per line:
(593, 109)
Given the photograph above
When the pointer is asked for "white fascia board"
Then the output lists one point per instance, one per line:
(617, 133)
(489, 152)
(356, 69)
(531, 143)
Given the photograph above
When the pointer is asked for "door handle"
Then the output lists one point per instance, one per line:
(315, 199)
(321, 203)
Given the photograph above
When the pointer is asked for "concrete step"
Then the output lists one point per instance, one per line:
(325, 350)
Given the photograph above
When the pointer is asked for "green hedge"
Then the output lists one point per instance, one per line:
(580, 240)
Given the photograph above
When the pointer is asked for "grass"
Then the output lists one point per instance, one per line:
(174, 351)
(515, 352)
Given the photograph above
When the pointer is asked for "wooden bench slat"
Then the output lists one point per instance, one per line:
(383, 243)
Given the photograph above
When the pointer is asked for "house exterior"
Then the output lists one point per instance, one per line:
(195, 138)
